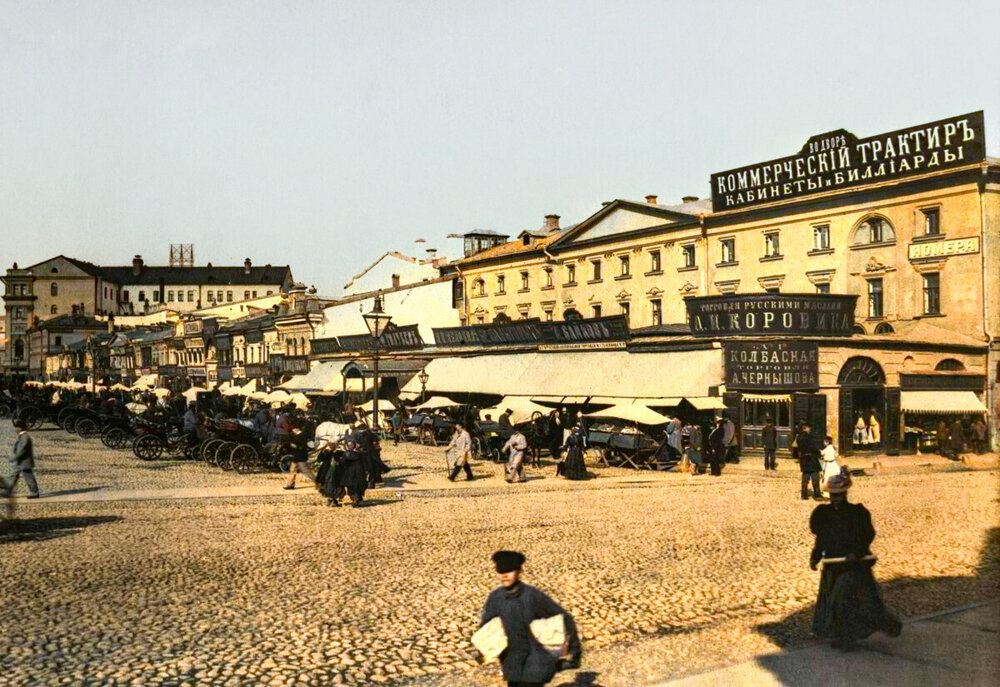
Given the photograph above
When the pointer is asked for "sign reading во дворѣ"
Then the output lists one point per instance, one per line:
(840, 159)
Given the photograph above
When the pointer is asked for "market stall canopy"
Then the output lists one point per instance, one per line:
(435, 402)
(706, 402)
(258, 395)
(119, 387)
(192, 393)
(614, 374)
(224, 386)
(632, 413)
(316, 379)
(523, 408)
(409, 396)
(146, 380)
(299, 401)
(161, 392)
(247, 389)
(942, 402)
(277, 396)
(384, 406)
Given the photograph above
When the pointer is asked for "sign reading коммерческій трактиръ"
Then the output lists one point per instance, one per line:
(839, 160)
(765, 314)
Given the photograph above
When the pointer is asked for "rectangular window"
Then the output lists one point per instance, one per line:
(211, 296)
(626, 309)
(524, 281)
(773, 289)
(595, 310)
(548, 315)
(570, 274)
(270, 292)
(688, 253)
(772, 245)
(229, 296)
(822, 288)
(218, 296)
(253, 294)
(548, 278)
(170, 296)
(875, 298)
(246, 295)
(626, 265)
(501, 284)
(932, 222)
(180, 296)
(654, 261)
(596, 264)
(657, 311)
(932, 294)
(142, 295)
(58, 341)
(875, 230)
(821, 237)
(191, 296)
(728, 250)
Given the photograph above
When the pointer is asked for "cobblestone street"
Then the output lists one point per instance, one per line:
(666, 574)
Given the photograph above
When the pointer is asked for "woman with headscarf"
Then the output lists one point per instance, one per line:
(574, 467)
(849, 606)
(693, 450)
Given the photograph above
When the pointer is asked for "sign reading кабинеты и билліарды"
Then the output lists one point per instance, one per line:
(840, 159)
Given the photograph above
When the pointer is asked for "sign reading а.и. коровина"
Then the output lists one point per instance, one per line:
(840, 159)
(766, 314)
(774, 365)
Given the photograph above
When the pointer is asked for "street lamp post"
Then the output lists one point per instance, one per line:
(377, 321)
(423, 377)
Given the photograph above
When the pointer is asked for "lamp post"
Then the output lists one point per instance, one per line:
(423, 377)
(377, 321)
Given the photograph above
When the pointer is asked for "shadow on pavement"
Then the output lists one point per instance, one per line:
(797, 625)
(41, 529)
(583, 679)
(69, 492)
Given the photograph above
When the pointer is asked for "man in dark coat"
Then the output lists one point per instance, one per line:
(717, 447)
(769, 442)
(506, 427)
(23, 462)
(525, 662)
(809, 461)
(350, 475)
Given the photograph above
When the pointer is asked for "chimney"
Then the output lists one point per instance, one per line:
(246, 266)
(137, 265)
(551, 223)
(431, 253)
(651, 200)
(689, 199)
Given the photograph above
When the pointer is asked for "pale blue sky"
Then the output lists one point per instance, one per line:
(321, 134)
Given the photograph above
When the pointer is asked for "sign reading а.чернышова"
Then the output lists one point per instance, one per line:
(771, 365)
(839, 159)
(766, 314)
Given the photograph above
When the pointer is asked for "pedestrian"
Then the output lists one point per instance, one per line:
(506, 427)
(515, 446)
(693, 450)
(574, 466)
(979, 434)
(397, 426)
(957, 442)
(554, 431)
(526, 662)
(23, 462)
(349, 475)
(731, 442)
(539, 438)
(849, 606)
(809, 462)
(295, 439)
(828, 459)
(769, 442)
(673, 438)
(458, 453)
(717, 447)
(190, 423)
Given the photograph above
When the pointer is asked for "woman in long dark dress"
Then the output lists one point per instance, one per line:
(554, 434)
(849, 606)
(350, 475)
(573, 466)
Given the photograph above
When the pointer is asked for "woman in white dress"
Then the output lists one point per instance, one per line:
(828, 459)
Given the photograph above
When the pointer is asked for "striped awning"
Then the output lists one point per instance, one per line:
(941, 402)
(768, 398)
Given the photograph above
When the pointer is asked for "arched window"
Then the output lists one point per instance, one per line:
(572, 314)
(302, 346)
(54, 289)
(950, 365)
(861, 371)
(54, 309)
(479, 287)
(858, 329)
(501, 318)
(884, 328)
(873, 230)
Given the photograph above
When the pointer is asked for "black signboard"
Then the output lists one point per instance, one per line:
(319, 346)
(533, 331)
(168, 370)
(289, 364)
(394, 339)
(771, 365)
(223, 341)
(839, 159)
(766, 314)
(930, 381)
(225, 373)
(257, 370)
(254, 336)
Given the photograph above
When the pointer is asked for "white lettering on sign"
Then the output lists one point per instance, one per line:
(942, 249)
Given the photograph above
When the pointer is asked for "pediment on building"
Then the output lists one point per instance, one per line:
(620, 219)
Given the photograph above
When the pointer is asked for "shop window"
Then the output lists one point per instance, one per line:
(932, 293)
(821, 237)
(54, 289)
(58, 341)
(932, 221)
(688, 253)
(524, 281)
(728, 251)
(654, 261)
(570, 274)
(501, 284)
(822, 288)
(875, 298)
(772, 245)
(950, 365)
(18, 349)
(874, 230)
(596, 274)
(595, 310)
(657, 308)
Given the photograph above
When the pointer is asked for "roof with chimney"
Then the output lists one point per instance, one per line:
(206, 275)
(71, 321)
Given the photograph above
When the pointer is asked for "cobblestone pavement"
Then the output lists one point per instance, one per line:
(665, 574)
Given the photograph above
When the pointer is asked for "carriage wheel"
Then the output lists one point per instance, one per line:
(87, 428)
(243, 458)
(114, 437)
(30, 416)
(208, 449)
(5, 410)
(147, 447)
(66, 419)
(223, 453)
(285, 462)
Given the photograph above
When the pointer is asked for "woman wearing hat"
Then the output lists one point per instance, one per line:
(525, 661)
(849, 606)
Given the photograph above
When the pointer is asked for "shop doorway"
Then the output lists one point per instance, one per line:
(862, 425)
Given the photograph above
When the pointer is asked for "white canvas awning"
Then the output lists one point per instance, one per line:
(146, 380)
(523, 408)
(706, 402)
(437, 402)
(632, 413)
(942, 402)
(384, 406)
(317, 379)
(664, 402)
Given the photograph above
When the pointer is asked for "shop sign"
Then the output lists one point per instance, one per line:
(765, 314)
(533, 331)
(168, 370)
(839, 160)
(595, 346)
(225, 373)
(392, 339)
(320, 346)
(950, 381)
(771, 365)
(257, 370)
(942, 249)
(289, 364)
(239, 372)
(194, 371)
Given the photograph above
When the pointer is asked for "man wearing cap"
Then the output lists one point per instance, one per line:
(809, 462)
(525, 662)
(23, 463)
(849, 606)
